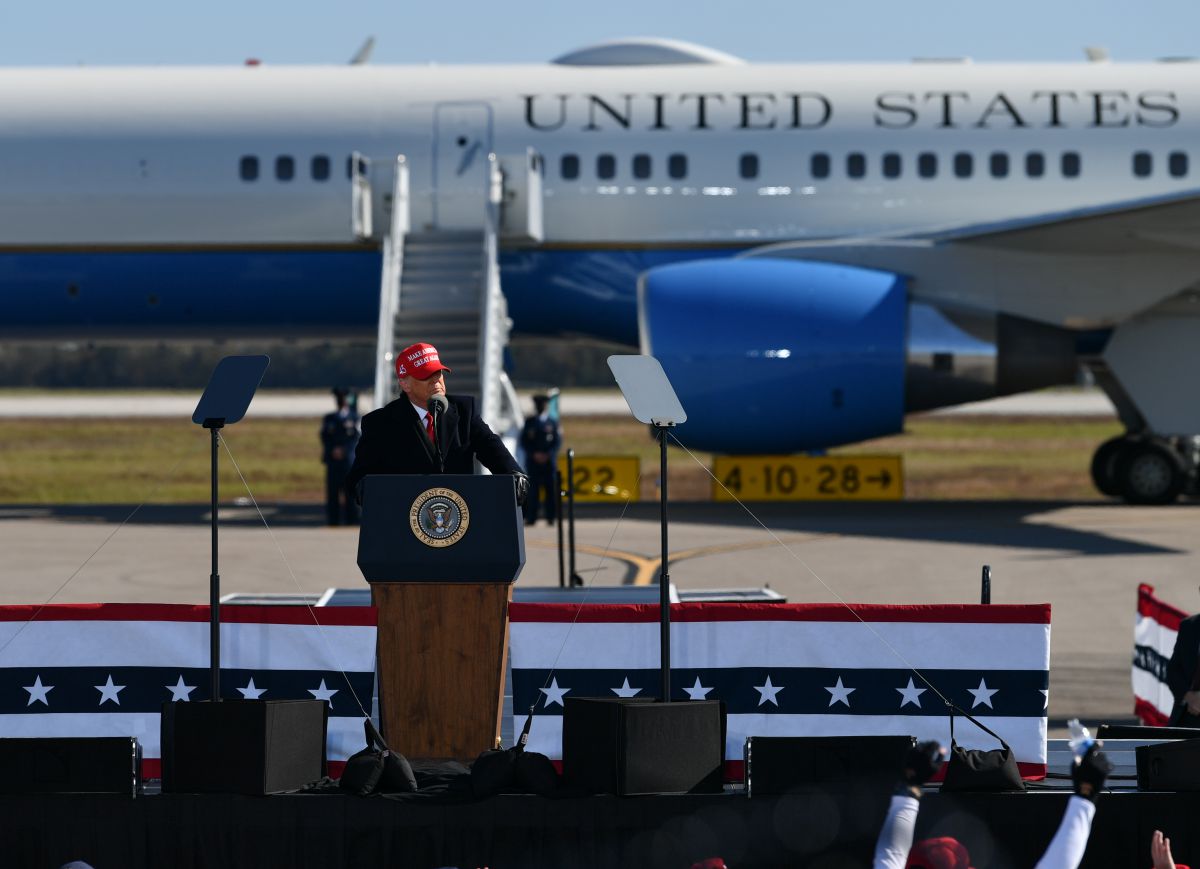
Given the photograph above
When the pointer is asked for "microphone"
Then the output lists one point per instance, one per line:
(436, 405)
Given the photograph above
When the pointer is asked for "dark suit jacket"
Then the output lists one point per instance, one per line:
(1181, 669)
(394, 442)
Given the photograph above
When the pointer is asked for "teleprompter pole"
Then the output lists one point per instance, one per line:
(224, 402)
(664, 578)
(214, 427)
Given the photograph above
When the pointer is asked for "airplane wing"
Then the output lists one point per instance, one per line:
(1163, 221)
(1084, 269)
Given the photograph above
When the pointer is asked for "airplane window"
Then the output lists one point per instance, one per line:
(320, 168)
(248, 168)
(606, 166)
(820, 166)
(748, 166)
(1142, 164)
(1070, 164)
(927, 164)
(964, 165)
(856, 165)
(1035, 164)
(998, 164)
(891, 165)
(568, 166)
(677, 165)
(285, 168)
(1177, 164)
(641, 165)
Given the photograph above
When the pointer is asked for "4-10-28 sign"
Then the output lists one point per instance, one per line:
(808, 478)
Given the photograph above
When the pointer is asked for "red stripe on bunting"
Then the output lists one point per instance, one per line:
(350, 616)
(1162, 612)
(1032, 614)
(1148, 713)
(152, 768)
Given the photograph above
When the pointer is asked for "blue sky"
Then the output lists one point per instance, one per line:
(471, 31)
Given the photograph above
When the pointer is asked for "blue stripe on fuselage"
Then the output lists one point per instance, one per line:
(283, 293)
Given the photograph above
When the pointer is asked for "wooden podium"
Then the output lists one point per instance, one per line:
(441, 553)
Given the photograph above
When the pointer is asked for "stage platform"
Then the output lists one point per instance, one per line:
(826, 828)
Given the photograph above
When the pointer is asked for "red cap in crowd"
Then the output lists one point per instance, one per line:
(420, 361)
(943, 853)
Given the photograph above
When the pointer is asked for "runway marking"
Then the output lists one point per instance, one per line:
(646, 568)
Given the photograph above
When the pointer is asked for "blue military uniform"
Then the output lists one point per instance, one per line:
(339, 438)
(540, 438)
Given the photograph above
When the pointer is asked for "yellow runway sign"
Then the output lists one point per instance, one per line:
(603, 478)
(808, 478)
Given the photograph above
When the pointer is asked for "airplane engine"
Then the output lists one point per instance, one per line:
(778, 355)
(782, 355)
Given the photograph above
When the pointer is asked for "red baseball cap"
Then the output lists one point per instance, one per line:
(420, 361)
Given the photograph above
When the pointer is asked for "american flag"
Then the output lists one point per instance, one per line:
(106, 669)
(1154, 633)
(798, 669)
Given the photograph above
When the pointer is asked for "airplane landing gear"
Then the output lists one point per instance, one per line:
(1141, 469)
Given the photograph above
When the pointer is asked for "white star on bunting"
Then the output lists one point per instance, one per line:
(839, 693)
(625, 690)
(179, 691)
(323, 693)
(911, 694)
(1045, 697)
(697, 691)
(983, 694)
(251, 692)
(554, 694)
(38, 691)
(109, 691)
(767, 692)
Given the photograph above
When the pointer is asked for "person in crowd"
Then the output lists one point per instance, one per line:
(1160, 853)
(408, 437)
(894, 848)
(339, 437)
(540, 438)
(1183, 674)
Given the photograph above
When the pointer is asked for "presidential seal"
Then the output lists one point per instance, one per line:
(439, 517)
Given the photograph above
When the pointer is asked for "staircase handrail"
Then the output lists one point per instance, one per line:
(389, 282)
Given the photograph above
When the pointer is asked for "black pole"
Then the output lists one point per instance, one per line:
(985, 592)
(558, 512)
(214, 579)
(664, 576)
(571, 514)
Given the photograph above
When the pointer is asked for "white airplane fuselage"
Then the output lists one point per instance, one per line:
(123, 208)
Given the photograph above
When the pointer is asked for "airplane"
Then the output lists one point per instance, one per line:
(811, 250)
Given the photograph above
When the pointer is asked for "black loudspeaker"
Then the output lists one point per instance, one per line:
(778, 764)
(627, 746)
(243, 746)
(1169, 766)
(78, 764)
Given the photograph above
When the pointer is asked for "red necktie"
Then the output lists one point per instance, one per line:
(429, 427)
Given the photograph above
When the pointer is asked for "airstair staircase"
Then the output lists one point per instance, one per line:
(442, 286)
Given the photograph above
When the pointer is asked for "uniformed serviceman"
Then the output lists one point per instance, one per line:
(540, 438)
(339, 437)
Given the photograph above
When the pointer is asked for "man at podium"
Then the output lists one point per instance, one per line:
(409, 436)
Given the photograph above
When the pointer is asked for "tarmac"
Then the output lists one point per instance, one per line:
(313, 404)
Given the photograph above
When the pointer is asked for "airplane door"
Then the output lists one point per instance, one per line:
(462, 140)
